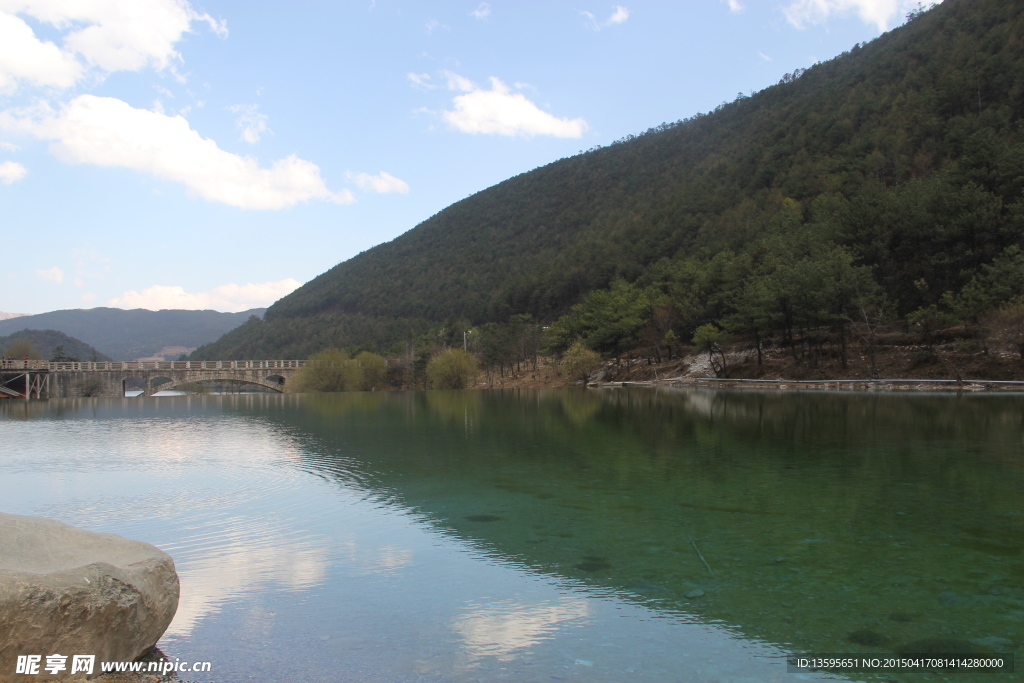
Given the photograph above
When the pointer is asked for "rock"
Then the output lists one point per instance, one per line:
(70, 592)
(694, 594)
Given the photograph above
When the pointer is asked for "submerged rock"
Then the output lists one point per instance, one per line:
(867, 638)
(66, 591)
(593, 563)
(994, 642)
(483, 518)
(950, 599)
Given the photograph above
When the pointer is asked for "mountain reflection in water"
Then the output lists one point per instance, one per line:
(829, 522)
(818, 522)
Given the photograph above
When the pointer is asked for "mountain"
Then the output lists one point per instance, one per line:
(127, 335)
(46, 342)
(8, 316)
(901, 158)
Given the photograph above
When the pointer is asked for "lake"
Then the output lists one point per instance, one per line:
(589, 535)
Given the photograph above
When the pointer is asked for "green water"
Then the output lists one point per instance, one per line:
(803, 522)
(829, 523)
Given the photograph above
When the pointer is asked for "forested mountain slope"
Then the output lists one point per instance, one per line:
(901, 157)
(50, 345)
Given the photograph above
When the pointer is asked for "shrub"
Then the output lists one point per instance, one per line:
(452, 369)
(579, 362)
(374, 368)
(330, 370)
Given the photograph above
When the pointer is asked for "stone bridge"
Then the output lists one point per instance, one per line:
(51, 379)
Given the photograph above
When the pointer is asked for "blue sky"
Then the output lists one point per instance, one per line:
(166, 154)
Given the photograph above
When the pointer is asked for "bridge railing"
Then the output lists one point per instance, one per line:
(76, 366)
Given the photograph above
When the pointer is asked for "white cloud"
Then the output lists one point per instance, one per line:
(481, 12)
(502, 112)
(108, 35)
(250, 122)
(801, 13)
(734, 5)
(421, 80)
(433, 25)
(457, 82)
(228, 298)
(382, 182)
(11, 171)
(54, 274)
(108, 132)
(764, 56)
(8, 147)
(23, 57)
(619, 15)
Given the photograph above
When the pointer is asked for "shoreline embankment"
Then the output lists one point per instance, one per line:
(871, 385)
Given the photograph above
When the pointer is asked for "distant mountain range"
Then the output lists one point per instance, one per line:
(8, 316)
(128, 335)
(47, 341)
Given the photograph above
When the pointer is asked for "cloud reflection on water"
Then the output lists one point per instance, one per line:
(246, 566)
(504, 630)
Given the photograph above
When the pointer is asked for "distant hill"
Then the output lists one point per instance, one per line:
(47, 341)
(139, 333)
(8, 316)
(899, 164)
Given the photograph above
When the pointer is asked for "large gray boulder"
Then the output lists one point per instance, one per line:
(70, 592)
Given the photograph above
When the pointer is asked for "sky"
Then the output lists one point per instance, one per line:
(217, 154)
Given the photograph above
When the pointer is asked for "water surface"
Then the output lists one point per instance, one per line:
(547, 535)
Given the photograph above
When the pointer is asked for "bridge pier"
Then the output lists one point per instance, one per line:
(24, 384)
(90, 383)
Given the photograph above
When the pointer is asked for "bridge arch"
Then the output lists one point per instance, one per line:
(158, 383)
(170, 383)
